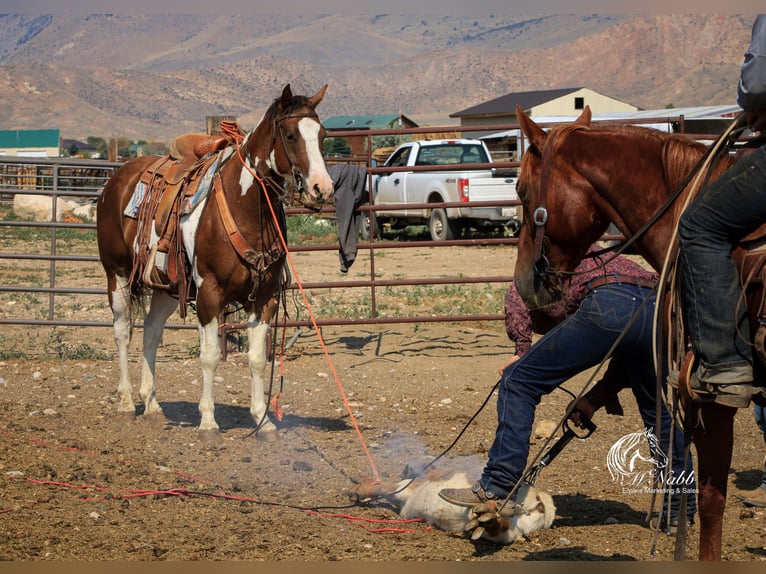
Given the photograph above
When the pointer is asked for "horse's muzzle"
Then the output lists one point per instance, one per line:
(319, 192)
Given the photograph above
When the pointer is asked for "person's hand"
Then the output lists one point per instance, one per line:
(511, 361)
(757, 120)
(583, 408)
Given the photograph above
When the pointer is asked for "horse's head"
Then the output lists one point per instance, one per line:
(560, 219)
(295, 152)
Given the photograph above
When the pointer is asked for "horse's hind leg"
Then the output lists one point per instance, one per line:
(162, 306)
(120, 302)
(257, 334)
(713, 438)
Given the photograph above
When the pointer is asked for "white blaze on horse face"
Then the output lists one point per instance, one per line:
(318, 180)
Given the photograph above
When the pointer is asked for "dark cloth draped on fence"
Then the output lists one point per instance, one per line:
(350, 183)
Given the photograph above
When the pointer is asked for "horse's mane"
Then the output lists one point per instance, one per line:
(552, 143)
(679, 153)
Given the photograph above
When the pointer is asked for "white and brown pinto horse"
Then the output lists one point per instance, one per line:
(283, 151)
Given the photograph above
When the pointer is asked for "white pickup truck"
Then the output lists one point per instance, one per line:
(435, 185)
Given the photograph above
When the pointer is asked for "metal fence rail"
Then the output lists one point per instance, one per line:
(81, 180)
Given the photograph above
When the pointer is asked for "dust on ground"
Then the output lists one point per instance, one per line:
(80, 482)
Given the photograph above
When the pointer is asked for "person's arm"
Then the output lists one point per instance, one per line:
(751, 90)
(603, 394)
(518, 322)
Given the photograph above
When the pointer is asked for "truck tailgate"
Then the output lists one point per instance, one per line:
(492, 188)
(495, 189)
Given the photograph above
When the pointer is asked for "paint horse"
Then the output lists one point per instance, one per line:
(574, 181)
(232, 244)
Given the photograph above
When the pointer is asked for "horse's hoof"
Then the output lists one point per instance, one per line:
(127, 416)
(209, 435)
(267, 435)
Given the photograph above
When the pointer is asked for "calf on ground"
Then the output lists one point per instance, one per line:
(417, 496)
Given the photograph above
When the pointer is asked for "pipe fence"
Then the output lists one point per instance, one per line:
(50, 273)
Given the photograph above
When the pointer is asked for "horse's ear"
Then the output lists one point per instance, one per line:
(287, 95)
(316, 98)
(584, 118)
(535, 134)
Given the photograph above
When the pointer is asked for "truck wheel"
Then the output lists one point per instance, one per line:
(440, 226)
(369, 226)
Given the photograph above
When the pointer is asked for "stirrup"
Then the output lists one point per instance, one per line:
(152, 277)
(685, 390)
(733, 395)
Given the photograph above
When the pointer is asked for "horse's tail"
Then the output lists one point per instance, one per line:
(139, 294)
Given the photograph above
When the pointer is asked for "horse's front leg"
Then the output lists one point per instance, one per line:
(162, 306)
(257, 337)
(209, 356)
(119, 301)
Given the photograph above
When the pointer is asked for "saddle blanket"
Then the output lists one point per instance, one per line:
(189, 203)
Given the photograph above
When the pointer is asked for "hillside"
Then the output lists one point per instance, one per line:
(152, 77)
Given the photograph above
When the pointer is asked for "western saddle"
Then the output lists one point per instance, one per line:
(169, 181)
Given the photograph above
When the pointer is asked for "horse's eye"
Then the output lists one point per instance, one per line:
(292, 138)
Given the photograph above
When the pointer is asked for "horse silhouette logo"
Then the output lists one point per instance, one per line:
(635, 458)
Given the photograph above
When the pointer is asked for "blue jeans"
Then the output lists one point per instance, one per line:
(724, 212)
(579, 343)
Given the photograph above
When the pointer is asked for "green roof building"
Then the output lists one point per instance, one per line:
(373, 122)
(357, 144)
(29, 143)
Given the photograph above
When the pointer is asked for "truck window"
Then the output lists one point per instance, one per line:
(399, 159)
(451, 154)
(473, 154)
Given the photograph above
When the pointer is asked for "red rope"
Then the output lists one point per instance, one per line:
(129, 493)
(306, 303)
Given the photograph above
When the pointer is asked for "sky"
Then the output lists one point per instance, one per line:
(447, 7)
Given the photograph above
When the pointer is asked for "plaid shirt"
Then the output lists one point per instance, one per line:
(521, 323)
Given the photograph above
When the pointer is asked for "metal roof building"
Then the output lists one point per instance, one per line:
(368, 122)
(558, 102)
(697, 119)
(30, 143)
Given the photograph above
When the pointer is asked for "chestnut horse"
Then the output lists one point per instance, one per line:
(574, 181)
(233, 245)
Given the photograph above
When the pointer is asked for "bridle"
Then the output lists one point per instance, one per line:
(541, 265)
(258, 260)
(297, 178)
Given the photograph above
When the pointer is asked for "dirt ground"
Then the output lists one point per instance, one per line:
(81, 483)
